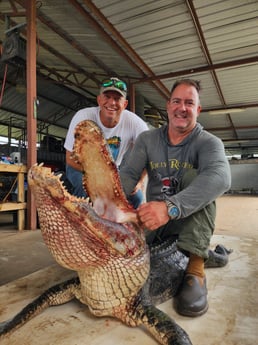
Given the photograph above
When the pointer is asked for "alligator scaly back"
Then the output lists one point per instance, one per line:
(104, 244)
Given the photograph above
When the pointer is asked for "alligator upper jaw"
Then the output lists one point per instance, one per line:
(101, 178)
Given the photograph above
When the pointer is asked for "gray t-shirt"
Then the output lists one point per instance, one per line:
(166, 163)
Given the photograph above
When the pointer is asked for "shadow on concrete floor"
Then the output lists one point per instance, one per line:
(22, 253)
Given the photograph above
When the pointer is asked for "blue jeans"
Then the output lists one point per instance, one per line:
(75, 178)
(136, 199)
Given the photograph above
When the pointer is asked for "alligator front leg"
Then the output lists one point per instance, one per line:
(55, 295)
(161, 326)
(218, 257)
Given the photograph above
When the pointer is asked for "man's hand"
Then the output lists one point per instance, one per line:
(153, 214)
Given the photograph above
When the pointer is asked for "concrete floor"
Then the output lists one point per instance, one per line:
(27, 269)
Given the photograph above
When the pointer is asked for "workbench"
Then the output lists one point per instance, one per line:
(20, 205)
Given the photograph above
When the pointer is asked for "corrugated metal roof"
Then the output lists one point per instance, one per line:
(150, 44)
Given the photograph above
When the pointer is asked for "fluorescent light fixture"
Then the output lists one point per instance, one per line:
(226, 111)
(238, 141)
(153, 116)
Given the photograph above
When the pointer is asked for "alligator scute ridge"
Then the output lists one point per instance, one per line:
(102, 247)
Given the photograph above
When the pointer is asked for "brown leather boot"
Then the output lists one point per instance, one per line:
(192, 297)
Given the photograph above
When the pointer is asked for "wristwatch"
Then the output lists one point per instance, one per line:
(173, 211)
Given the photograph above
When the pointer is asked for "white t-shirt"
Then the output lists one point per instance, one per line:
(120, 138)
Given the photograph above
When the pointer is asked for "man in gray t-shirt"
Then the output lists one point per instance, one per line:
(187, 170)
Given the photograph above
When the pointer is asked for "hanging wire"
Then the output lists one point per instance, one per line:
(3, 85)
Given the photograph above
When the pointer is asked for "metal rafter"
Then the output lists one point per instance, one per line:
(207, 56)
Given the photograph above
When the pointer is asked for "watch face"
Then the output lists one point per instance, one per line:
(173, 212)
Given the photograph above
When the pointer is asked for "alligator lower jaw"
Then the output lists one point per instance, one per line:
(107, 209)
(73, 231)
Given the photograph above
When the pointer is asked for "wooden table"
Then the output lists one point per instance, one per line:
(20, 205)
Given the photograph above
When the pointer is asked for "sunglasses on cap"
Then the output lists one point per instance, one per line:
(119, 84)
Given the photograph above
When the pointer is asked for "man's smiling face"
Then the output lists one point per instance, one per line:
(183, 108)
(111, 105)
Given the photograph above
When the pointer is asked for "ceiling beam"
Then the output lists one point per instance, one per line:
(231, 106)
(207, 55)
(240, 140)
(238, 128)
(118, 42)
(197, 70)
(95, 17)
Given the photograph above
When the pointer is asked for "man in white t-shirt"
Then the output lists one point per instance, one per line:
(120, 127)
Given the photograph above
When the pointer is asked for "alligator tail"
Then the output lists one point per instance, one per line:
(56, 295)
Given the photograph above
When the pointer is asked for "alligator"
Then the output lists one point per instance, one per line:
(117, 273)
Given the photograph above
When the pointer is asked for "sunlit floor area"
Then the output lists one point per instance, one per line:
(27, 269)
